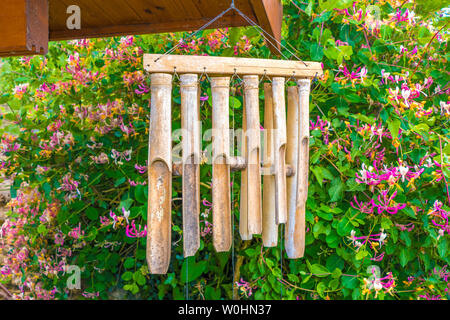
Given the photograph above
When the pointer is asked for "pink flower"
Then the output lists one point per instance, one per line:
(387, 203)
(133, 232)
(76, 233)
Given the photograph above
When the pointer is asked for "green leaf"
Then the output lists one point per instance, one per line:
(404, 257)
(316, 52)
(321, 287)
(386, 223)
(235, 102)
(442, 248)
(337, 273)
(119, 181)
(129, 263)
(92, 213)
(394, 127)
(361, 254)
(195, 269)
(140, 195)
(319, 270)
(42, 229)
(344, 227)
(127, 276)
(309, 8)
(404, 235)
(336, 191)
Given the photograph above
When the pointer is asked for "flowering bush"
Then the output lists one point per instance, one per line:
(75, 137)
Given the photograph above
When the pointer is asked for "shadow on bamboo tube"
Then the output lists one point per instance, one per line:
(160, 175)
(221, 198)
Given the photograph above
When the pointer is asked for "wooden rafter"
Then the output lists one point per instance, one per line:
(229, 66)
(44, 20)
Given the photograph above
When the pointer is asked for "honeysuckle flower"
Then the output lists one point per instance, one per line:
(143, 89)
(137, 183)
(403, 171)
(104, 221)
(245, 287)
(440, 218)
(428, 296)
(90, 295)
(20, 90)
(119, 156)
(207, 229)
(387, 203)
(41, 170)
(71, 186)
(379, 238)
(405, 227)
(126, 214)
(132, 232)
(364, 207)
(102, 158)
(445, 107)
(141, 169)
(378, 258)
(76, 232)
(376, 283)
(206, 203)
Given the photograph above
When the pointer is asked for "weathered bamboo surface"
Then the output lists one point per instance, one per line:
(295, 235)
(190, 117)
(160, 175)
(279, 125)
(292, 158)
(253, 148)
(229, 66)
(270, 228)
(283, 159)
(243, 208)
(221, 197)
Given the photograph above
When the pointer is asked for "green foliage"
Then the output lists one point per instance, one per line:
(75, 141)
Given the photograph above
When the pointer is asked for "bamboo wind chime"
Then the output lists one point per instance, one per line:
(284, 154)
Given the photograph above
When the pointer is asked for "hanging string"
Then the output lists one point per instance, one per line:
(196, 32)
(269, 35)
(235, 75)
(265, 77)
(266, 35)
(281, 262)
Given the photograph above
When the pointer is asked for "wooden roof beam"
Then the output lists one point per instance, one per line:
(23, 27)
(269, 14)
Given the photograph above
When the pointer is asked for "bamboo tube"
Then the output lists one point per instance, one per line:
(221, 198)
(296, 235)
(279, 125)
(253, 136)
(190, 118)
(269, 228)
(291, 158)
(160, 175)
(243, 215)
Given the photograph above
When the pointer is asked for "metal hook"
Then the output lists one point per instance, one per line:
(204, 74)
(291, 77)
(265, 76)
(175, 74)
